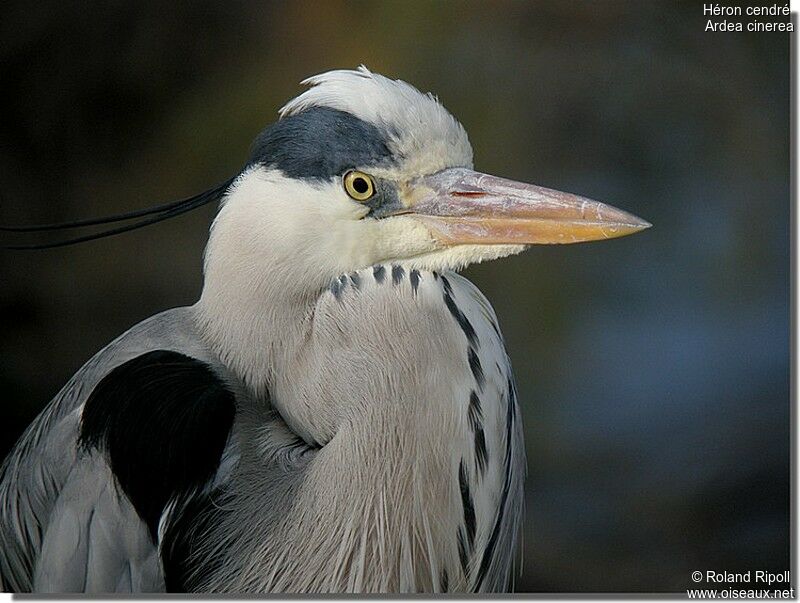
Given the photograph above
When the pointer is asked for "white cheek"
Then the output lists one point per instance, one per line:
(306, 225)
(401, 237)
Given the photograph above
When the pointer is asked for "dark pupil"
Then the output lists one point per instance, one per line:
(360, 185)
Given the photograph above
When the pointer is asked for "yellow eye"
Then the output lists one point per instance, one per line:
(359, 185)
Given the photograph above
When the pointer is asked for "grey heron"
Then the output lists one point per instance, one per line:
(337, 412)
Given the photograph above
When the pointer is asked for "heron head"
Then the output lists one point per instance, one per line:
(361, 169)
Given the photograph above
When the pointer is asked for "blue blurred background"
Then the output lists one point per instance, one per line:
(653, 370)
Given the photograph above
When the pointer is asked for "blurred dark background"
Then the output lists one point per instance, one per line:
(653, 370)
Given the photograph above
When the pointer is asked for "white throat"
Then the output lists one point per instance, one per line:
(256, 295)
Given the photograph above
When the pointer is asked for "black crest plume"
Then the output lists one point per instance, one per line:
(150, 215)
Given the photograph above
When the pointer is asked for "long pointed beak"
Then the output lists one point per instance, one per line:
(461, 206)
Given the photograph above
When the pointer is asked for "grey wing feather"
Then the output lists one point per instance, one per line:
(64, 524)
(94, 541)
(30, 482)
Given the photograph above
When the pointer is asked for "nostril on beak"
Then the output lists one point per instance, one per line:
(468, 194)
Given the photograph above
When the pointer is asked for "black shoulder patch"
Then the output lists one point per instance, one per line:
(162, 419)
(320, 143)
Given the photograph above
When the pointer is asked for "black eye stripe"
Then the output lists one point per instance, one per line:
(320, 143)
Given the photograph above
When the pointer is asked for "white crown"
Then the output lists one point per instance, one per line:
(421, 132)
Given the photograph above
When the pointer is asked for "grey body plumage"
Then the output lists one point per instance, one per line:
(65, 496)
(337, 413)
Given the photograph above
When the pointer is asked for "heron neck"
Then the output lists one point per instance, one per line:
(252, 323)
